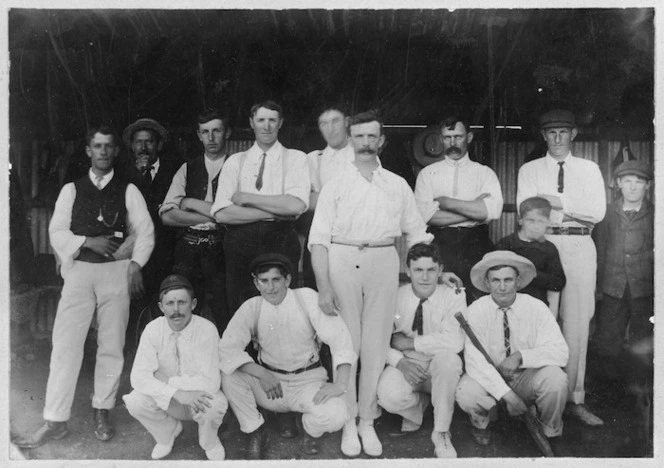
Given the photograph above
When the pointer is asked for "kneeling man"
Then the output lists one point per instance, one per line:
(176, 373)
(521, 335)
(285, 326)
(423, 358)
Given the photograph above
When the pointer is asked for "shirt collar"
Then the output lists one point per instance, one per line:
(552, 163)
(459, 162)
(274, 151)
(104, 180)
(186, 332)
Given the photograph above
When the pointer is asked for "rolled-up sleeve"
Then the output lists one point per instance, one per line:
(227, 183)
(331, 330)
(494, 202)
(412, 223)
(313, 160)
(140, 225)
(324, 216)
(65, 243)
(237, 336)
(176, 192)
(296, 180)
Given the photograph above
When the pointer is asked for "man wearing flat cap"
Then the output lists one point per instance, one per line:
(176, 376)
(522, 337)
(286, 326)
(575, 189)
(626, 266)
(152, 172)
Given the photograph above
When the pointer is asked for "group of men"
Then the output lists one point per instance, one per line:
(237, 235)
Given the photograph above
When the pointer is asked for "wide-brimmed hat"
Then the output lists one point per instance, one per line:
(272, 259)
(496, 258)
(174, 282)
(557, 118)
(633, 167)
(427, 146)
(143, 124)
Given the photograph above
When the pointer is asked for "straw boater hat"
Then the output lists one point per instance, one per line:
(524, 266)
(143, 124)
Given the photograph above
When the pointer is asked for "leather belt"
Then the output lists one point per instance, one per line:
(90, 256)
(570, 231)
(363, 245)
(204, 237)
(315, 365)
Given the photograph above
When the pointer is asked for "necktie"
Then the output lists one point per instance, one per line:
(455, 185)
(418, 321)
(259, 179)
(147, 175)
(98, 179)
(631, 214)
(175, 336)
(561, 177)
(506, 331)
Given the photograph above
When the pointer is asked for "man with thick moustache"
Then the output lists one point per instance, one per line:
(575, 189)
(93, 217)
(260, 194)
(352, 243)
(324, 165)
(199, 250)
(152, 171)
(458, 197)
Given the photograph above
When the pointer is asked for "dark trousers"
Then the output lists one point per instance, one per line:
(461, 249)
(245, 242)
(303, 226)
(204, 265)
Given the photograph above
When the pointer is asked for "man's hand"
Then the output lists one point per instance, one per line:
(451, 280)
(413, 373)
(103, 245)
(401, 342)
(135, 280)
(328, 302)
(556, 202)
(510, 365)
(482, 196)
(197, 400)
(184, 204)
(327, 391)
(271, 385)
(515, 405)
(443, 202)
(239, 199)
(142, 161)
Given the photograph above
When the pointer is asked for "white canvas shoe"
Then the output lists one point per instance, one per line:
(370, 442)
(216, 453)
(350, 443)
(442, 443)
(161, 450)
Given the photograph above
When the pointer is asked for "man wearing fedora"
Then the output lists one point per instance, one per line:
(260, 194)
(152, 172)
(286, 326)
(92, 219)
(626, 266)
(457, 198)
(199, 250)
(575, 189)
(522, 338)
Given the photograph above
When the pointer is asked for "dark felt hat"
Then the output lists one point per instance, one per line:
(143, 124)
(174, 282)
(557, 118)
(633, 167)
(427, 146)
(273, 259)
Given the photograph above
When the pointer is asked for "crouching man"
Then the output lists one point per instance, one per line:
(423, 364)
(522, 337)
(176, 373)
(285, 326)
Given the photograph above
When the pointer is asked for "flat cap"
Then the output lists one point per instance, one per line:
(174, 282)
(557, 118)
(633, 167)
(274, 259)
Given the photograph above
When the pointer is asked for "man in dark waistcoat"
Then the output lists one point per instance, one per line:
(152, 171)
(199, 248)
(92, 218)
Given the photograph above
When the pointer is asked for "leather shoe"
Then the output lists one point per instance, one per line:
(104, 430)
(257, 444)
(583, 414)
(50, 430)
(481, 436)
(287, 429)
(308, 443)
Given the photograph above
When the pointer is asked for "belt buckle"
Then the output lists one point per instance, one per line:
(564, 230)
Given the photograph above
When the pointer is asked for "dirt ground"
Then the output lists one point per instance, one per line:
(621, 436)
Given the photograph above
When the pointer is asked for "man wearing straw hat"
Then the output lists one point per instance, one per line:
(521, 335)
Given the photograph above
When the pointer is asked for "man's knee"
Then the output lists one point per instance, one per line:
(468, 394)
(551, 379)
(391, 391)
(331, 415)
(447, 363)
(138, 403)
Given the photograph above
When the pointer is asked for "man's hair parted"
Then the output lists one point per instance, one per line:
(104, 130)
(366, 117)
(424, 251)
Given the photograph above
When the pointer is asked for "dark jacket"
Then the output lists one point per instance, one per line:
(625, 251)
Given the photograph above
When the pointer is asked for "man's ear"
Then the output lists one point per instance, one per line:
(88, 151)
(227, 134)
(194, 303)
(469, 137)
(288, 280)
(161, 307)
(574, 133)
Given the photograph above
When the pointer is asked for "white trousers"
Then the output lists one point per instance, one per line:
(546, 387)
(396, 395)
(577, 305)
(88, 286)
(161, 424)
(366, 282)
(245, 395)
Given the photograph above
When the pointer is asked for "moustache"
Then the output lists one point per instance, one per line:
(176, 315)
(367, 151)
(452, 150)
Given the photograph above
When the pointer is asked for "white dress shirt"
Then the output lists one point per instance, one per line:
(155, 369)
(285, 333)
(533, 331)
(178, 189)
(294, 182)
(583, 194)
(440, 330)
(67, 245)
(360, 211)
(468, 178)
(325, 165)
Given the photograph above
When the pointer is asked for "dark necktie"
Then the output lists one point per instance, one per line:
(506, 331)
(259, 179)
(147, 176)
(561, 177)
(418, 321)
